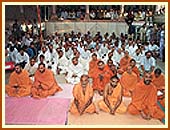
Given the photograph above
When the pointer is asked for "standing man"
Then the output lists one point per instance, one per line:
(162, 43)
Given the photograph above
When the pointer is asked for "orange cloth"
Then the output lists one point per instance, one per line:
(109, 71)
(24, 84)
(82, 99)
(145, 98)
(160, 85)
(124, 62)
(128, 82)
(92, 68)
(47, 82)
(113, 98)
(159, 82)
(137, 72)
(98, 83)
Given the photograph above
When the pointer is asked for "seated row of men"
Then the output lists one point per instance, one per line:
(75, 67)
(144, 99)
(143, 91)
(21, 85)
(100, 73)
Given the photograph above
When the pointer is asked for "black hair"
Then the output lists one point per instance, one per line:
(132, 60)
(114, 77)
(18, 64)
(158, 71)
(100, 62)
(41, 64)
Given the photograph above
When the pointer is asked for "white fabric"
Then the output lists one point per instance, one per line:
(103, 51)
(74, 70)
(138, 59)
(153, 47)
(13, 54)
(20, 58)
(52, 60)
(27, 41)
(148, 63)
(117, 57)
(31, 69)
(69, 54)
(45, 55)
(63, 64)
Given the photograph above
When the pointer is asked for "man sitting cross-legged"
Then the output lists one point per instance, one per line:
(45, 83)
(83, 97)
(112, 97)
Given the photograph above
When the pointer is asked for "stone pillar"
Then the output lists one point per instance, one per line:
(122, 10)
(21, 8)
(87, 9)
(53, 15)
(54, 9)
(87, 18)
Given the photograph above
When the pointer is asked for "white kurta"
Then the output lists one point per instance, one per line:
(20, 58)
(31, 69)
(52, 60)
(69, 54)
(74, 70)
(116, 57)
(13, 54)
(44, 54)
(148, 63)
(138, 59)
(63, 64)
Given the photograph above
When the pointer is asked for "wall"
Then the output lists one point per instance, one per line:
(83, 27)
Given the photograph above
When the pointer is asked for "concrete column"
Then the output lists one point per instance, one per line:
(54, 9)
(122, 10)
(21, 9)
(87, 9)
(53, 15)
(87, 13)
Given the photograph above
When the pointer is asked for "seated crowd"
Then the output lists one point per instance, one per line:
(114, 67)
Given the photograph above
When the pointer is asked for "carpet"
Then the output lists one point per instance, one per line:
(29, 111)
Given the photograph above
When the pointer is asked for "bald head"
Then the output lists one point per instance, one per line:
(129, 69)
(147, 78)
(84, 80)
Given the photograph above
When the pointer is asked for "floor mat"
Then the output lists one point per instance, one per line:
(66, 93)
(27, 111)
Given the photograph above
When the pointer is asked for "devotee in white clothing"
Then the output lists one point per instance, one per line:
(75, 70)
(148, 62)
(22, 58)
(62, 63)
(31, 67)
